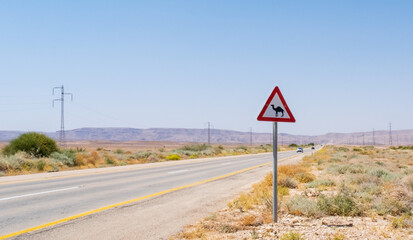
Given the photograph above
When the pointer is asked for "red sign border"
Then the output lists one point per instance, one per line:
(274, 119)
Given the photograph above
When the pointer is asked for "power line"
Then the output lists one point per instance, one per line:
(62, 112)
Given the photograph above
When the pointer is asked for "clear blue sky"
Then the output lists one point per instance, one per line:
(342, 66)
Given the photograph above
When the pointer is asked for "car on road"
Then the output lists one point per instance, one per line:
(312, 147)
(300, 150)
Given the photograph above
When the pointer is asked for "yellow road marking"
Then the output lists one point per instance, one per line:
(127, 202)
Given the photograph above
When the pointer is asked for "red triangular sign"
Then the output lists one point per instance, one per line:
(276, 109)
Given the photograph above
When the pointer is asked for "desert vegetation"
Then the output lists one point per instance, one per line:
(33, 153)
(340, 192)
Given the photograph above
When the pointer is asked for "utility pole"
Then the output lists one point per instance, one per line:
(390, 137)
(250, 136)
(363, 140)
(209, 133)
(62, 112)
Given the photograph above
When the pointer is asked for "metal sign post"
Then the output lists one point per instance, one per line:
(274, 177)
(275, 110)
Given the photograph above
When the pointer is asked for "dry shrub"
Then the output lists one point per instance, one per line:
(198, 232)
(286, 181)
(93, 158)
(291, 169)
(409, 182)
(80, 159)
(299, 172)
(251, 220)
(261, 194)
(305, 177)
(405, 221)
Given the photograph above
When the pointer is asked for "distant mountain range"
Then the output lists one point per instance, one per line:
(399, 137)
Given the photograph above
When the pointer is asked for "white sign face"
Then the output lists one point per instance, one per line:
(276, 109)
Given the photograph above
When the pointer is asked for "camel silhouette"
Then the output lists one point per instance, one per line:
(278, 110)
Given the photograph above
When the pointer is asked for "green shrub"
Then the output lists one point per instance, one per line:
(173, 157)
(283, 191)
(305, 177)
(291, 236)
(109, 160)
(342, 149)
(41, 164)
(242, 148)
(300, 205)
(339, 205)
(195, 147)
(390, 206)
(66, 157)
(36, 144)
(119, 151)
(293, 145)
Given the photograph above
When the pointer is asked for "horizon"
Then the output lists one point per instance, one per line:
(212, 129)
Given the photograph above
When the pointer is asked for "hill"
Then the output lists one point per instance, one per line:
(399, 137)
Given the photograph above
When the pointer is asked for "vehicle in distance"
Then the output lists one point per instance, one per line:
(313, 147)
(300, 150)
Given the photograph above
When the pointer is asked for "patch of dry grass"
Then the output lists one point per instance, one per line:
(84, 157)
(336, 181)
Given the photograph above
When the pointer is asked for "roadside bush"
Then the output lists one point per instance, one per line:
(41, 164)
(80, 159)
(119, 151)
(390, 206)
(299, 205)
(66, 157)
(36, 144)
(12, 163)
(305, 177)
(338, 205)
(195, 147)
(173, 157)
(110, 160)
(291, 236)
(286, 181)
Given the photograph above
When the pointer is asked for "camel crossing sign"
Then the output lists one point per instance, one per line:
(276, 109)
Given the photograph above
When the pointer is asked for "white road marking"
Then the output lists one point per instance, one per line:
(39, 193)
(180, 171)
(223, 164)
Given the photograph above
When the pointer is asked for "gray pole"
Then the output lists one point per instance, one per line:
(274, 179)
(209, 133)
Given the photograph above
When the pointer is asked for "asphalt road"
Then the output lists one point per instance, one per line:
(27, 203)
